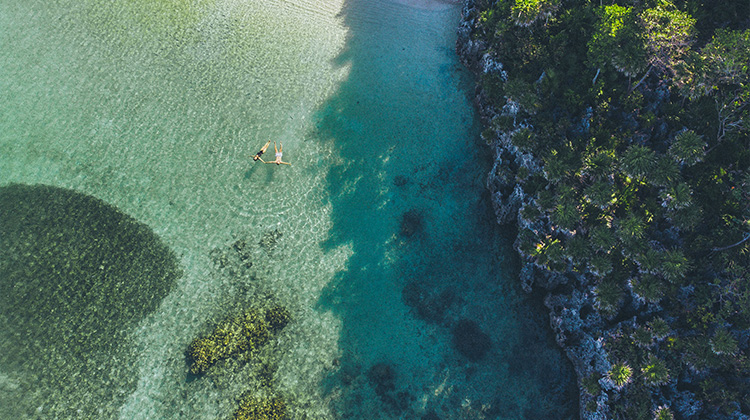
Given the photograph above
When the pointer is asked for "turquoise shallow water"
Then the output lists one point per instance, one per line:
(379, 238)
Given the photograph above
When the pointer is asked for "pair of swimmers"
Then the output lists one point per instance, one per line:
(278, 160)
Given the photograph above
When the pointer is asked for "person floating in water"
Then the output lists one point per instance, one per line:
(258, 155)
(278, 155)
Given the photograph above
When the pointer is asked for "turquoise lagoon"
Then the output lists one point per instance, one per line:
(379, 239)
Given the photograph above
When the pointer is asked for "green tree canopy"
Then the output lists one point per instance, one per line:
(722, 71)
(638, 161)
(668, 36)
(687, 148)
(617, 40)
(655, 372)
(526, 12)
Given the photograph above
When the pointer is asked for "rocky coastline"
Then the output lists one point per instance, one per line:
(580, 328)
(577, 326)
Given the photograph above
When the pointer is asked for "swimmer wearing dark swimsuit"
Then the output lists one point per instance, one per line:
(260, 153)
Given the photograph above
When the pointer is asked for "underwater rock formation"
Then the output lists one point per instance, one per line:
(270, 240)
(382, 376)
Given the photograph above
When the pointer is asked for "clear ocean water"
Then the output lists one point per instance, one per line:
(379, 238)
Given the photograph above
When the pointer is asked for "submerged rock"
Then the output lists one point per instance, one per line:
(382, 376)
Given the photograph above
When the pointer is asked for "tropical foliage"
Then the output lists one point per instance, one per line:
(637, 113)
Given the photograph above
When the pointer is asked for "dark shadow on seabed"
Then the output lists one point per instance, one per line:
(433, 324)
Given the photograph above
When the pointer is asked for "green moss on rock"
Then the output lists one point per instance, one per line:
(252, 408)
(238, 334)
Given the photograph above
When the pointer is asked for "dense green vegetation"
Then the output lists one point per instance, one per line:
(637, 111)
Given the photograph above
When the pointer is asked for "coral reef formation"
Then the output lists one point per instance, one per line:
(411, 223)
(253, 408)
(243, 333)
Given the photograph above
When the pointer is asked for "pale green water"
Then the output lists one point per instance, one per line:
(156, 106)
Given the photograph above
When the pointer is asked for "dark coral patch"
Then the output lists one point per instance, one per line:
(470, 340)
(430, 304)
(411, 222)
(76, 275)
(239, 334)
(74, 266)
(400, 180)
(382, 376)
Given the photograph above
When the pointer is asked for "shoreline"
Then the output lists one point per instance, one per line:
(506, 201)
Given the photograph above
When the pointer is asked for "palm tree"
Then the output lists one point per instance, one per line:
(663, 413)
(621, 374)
(599, 165)
(655, 372)
(659, 328)
(631, 230)
(608, 296)
(723, 342)
(603, 238)
(526, 12)
(649, 261)
(566, 214)
(630, 227)
(648, 287)
(600, 265)
(642, 337)
(664, 172)
(577, 249)
(686, 218)
(687, 148)
(674, 265)
(524, 139)
(677, 196)
(638, 161)
(558, 165)
(600, 193)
